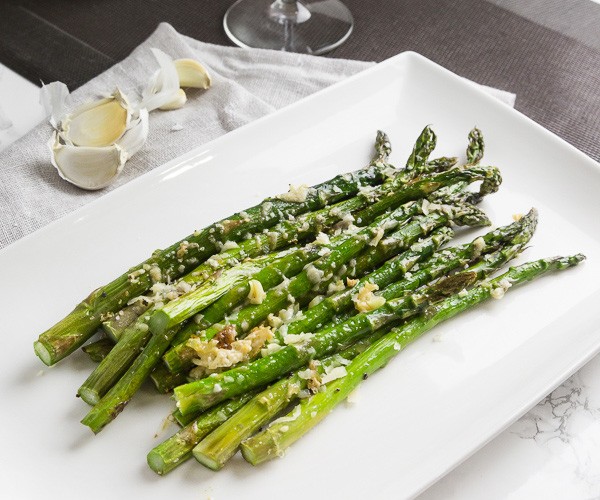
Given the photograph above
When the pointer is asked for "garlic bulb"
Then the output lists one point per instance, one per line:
(94, 167)
(90, 145)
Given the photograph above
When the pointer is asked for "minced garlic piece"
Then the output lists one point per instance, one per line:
(212, 357)
(351, 282)
(498, 293)
(338, 286)
(517, 217)
(133, 277)
(296, 194)
(377, 238)
(155, 274)
(182, 250)
(366, 300)
(256, 294)
(183, 287)
(274, 321)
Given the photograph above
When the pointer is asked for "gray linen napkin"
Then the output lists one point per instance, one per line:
(247, 84)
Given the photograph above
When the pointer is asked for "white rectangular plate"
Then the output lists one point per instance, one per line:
(436, 403)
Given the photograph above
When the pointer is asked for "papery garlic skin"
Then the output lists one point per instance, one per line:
(192, 74)
(163, 87)
(136, 135)
(53, 97)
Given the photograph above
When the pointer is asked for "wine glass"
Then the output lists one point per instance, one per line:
(289, 25)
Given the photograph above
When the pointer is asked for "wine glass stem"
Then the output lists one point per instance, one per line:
(288, 35)
(288, 11)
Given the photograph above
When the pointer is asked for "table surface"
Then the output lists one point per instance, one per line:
(547, 52)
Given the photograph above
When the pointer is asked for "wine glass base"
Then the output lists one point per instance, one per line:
(323, 26)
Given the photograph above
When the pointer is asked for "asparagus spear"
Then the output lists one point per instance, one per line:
(179, 357)
(117, 323)
(206, 392)
(178, 448)
(215, 449)
(184, 420)
(344, 249)
(424, 186)
(284, 233)
(109, 371)
(135, 337)
(115, 400)
(476, 147)
(98, 350)
(274, 440)
(178, 259)
(164, 380)
(423, 147)
(388, 277)
(103, 378)
(301, 284)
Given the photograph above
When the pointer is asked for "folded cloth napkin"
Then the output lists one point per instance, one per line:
(247, 84)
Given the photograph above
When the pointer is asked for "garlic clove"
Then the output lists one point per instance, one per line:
(192, 74)
(176, 103)
(87, 167)
(135, 136)
(163, 87)
(99, 123)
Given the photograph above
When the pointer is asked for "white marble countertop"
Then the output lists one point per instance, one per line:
(552, 452)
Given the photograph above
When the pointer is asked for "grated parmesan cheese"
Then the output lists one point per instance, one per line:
(322, 239)
(334, 374)
(338, 286)
(316, 300)
(297, 339)
(228, 245)
(478, 246)
(313, 274)
(296, 194)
